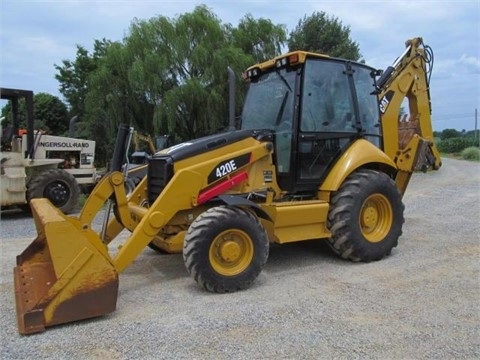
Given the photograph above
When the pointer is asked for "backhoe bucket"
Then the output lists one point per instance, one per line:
(64, 275)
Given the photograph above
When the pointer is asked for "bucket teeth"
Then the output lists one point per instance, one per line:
(30, 283)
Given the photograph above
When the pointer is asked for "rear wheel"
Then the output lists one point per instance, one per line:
(366, 216)
(225, 249)
(56, 185)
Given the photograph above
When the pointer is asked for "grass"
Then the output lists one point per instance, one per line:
(471, 153)
(463, 156)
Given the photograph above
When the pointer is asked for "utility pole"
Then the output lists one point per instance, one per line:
(476, 123)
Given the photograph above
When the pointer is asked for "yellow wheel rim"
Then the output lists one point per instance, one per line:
(231, 252)
(376, 218)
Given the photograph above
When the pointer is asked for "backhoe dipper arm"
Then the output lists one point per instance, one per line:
(408, 138)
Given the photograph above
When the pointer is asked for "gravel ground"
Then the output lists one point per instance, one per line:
(422, 302)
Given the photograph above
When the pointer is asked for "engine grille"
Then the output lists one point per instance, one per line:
(160, 171)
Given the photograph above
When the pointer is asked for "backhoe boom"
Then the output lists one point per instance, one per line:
(408, 133)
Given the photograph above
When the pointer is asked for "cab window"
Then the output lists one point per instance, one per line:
(367, 101)
(327, 104)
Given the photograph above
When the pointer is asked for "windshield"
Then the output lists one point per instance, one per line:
(269, 101)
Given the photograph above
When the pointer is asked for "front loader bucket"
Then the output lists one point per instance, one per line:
(64, 275)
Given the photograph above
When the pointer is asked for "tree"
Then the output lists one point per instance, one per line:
(198, 103)
(169, 75)
(449, 133)
(49, 113)
(52, 112)
(259, 38)
(324, 34)
(105, 102)
(73, 75)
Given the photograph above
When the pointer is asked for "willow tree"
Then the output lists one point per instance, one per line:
(169, 75)
(178, 69)
(198, 56)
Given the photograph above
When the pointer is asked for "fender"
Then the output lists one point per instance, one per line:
(234, 200)
(360, 153)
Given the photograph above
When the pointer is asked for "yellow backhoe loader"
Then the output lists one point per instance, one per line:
(323, 152)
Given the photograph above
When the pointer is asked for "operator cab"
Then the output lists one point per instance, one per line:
(316, 107)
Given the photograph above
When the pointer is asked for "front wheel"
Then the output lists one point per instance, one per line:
(366, 216)
(225, 249)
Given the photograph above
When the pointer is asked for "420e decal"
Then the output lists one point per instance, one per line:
(227, 167)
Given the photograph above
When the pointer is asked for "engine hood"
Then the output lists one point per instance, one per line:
(201, 145)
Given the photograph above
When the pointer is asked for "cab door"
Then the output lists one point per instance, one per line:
(327, 121)
(338, 106)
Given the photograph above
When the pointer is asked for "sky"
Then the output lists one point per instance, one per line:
(37, 34)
